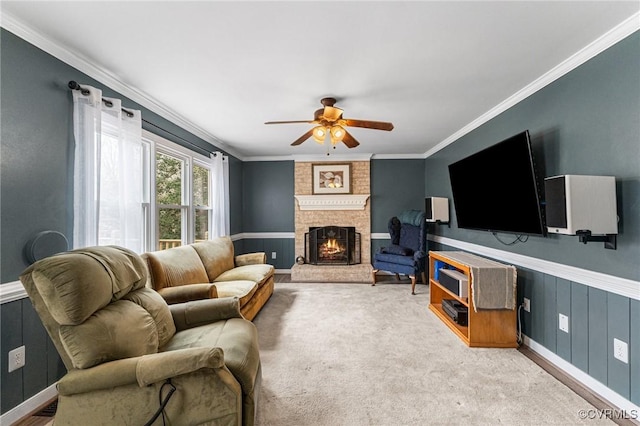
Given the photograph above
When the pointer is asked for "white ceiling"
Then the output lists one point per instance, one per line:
(221, 69)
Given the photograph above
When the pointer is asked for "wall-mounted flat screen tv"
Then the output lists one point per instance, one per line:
(497, 189)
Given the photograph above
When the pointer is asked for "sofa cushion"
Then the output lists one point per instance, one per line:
(176, 266)
(216, 255)
(103, 337)
(258, 273)
(243, 290)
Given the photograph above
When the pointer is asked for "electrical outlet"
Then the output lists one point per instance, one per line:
(563, 323)
(273, 254)
(527, 305)
(16, 358)
(621, 350)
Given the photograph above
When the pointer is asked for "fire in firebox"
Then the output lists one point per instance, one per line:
(332, 245)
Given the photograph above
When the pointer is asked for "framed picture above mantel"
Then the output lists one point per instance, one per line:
(331, 178)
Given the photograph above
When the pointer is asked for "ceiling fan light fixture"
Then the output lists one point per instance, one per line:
(337, 134)
(329, 120)
(319, 134)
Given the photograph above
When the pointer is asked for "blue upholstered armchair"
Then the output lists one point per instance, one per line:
(407, 253)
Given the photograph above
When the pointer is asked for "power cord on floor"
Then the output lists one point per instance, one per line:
(163, 403)
(519, 334)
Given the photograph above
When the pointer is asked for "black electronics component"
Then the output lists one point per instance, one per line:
(456, 310)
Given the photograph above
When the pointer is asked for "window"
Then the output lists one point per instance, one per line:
(135, 189)
(170, 200)
(201, 184)
(182, 195)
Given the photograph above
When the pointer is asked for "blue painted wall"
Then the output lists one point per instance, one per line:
(268, 204)
(36, 190)
(37, 148)
(586, 122)
(396, 185)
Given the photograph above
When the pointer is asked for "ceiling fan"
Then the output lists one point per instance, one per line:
(329, 121)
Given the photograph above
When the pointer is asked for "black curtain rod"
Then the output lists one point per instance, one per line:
(75, 86)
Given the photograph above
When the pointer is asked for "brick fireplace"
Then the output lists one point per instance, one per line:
(335, 210)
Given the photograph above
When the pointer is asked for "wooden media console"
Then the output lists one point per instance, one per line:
(490, 328)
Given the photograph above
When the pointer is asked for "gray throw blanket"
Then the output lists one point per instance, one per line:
(493, 284)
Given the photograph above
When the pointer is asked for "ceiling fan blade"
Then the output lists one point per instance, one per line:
(349, 140)
(368, 124)
(288, 122)
(303, 138)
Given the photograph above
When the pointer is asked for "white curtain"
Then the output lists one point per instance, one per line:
(218, 201)
(108, 190)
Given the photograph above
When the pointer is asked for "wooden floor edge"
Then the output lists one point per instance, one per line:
(587, 394)
(32, 419)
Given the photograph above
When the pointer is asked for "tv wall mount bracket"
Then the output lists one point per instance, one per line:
(610, 240)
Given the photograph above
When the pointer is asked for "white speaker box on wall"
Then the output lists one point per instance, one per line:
(436, 209)
(581, 203)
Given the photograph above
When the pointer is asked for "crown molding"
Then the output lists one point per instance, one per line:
(398, 157)
(344, 157)
(319, 158)
(269, 158)
(613, 36)
(83, 64)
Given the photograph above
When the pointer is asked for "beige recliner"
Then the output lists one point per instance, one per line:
(126, 350)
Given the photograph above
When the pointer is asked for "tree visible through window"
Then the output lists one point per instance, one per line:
(201, 178)
(187, 202)
(170, 200)
(182, 199)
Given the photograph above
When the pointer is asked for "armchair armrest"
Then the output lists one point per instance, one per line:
(188, 292)
(161, 366)
(200, 312)
(111, 374)
(143, 370)
(250, 258)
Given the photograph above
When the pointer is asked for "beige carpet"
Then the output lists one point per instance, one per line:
(353, 354)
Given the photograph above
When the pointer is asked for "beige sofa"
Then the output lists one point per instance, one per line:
(208, 270)
(125, 349)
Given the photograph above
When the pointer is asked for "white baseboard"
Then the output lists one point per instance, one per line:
(29, 406)
(594, 385)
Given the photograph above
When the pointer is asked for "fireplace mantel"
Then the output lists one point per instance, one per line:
(332, 202)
